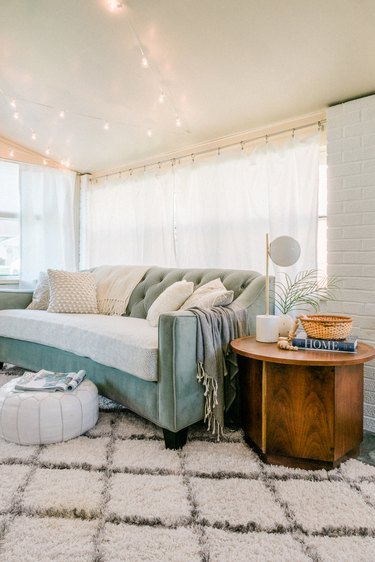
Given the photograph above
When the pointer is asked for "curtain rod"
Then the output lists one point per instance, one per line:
(320, 123)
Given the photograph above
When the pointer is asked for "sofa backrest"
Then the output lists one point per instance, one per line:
(248, 286)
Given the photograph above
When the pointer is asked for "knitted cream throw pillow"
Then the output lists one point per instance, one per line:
(73, 292)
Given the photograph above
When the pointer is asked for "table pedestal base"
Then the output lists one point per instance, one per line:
(304, 416)
(294, 462)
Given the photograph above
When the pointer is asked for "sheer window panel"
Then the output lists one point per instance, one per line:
(9, 223)
(48, 233)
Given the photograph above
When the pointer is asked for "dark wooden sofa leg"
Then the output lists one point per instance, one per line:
(1, 364)
(175, 440)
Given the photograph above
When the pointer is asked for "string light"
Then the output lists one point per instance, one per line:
(114, 5)
(45, 162)
(164, 95)
(11, 153)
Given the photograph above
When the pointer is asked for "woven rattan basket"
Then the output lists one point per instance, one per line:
(326, 327)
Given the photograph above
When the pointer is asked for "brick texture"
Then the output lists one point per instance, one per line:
(351, 220)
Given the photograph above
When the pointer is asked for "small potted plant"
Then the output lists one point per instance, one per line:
(303, 293)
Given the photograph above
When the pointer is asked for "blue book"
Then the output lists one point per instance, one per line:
(349, 344)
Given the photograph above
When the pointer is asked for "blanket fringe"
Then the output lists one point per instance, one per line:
(210, 386)
(111, 306)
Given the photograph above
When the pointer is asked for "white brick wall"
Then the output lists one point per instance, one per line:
(351, 222)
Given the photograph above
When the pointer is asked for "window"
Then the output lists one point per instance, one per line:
(9, 222)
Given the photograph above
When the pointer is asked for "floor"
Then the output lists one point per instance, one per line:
(367, 453)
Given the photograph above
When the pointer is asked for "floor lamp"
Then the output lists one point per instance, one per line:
(284, 251)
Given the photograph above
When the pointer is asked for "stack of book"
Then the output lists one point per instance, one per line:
(302, 341)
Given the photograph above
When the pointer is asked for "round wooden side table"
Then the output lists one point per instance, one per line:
(301, 408)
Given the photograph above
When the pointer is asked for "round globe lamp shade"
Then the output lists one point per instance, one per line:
(284, 251)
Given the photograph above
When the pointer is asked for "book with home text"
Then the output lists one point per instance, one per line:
(349, 344)
(49, 381)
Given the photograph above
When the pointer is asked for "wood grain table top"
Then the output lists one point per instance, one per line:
(269, 352)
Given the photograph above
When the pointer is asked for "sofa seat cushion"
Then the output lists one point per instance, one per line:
(127, 344)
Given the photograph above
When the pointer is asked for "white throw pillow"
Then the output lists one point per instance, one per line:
(170, 300)
(73, 292)
(211, 294)
(41, 293)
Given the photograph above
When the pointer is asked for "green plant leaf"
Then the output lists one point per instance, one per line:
(307, 290)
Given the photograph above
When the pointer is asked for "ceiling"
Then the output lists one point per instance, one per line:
(225, 66)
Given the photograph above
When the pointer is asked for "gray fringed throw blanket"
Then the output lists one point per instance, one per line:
(216, 328)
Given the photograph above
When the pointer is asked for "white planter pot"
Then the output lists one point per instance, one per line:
(286, 323)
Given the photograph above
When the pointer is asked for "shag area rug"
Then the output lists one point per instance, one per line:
(115, 494)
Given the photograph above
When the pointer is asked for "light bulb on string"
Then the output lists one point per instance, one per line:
(144, 62)
(33, 135)
(48, 150)
(11, 153)
(61, 114)
(13, 104)
(115, 5)
(45, 162)
(106, 126)
(178, 122)
(16, 115)
(161, 97)
(149, 132)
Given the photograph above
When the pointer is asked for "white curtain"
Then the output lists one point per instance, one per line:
(213, 212)
(130, 221)
(48, 206)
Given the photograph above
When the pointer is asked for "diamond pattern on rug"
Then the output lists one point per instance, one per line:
(151, 544)
(104, 425)
(116, 495)
(344, 549)
(275, 471)
(368, 489)
(130, 425)
(154, 499)
(9, 451)
(220, 458)
(355, 470)
(144, 456)
(253, 547)
(11, 477)
(237, 502)
(77, 453)
(70, 492)
(32, 539)
(326, 505)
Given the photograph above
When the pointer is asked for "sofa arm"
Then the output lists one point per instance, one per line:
(180, 395)
(253, 298)
(15, 298)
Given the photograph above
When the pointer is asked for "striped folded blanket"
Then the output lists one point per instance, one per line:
(217, 327)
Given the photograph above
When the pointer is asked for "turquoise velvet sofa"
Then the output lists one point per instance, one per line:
(175, 401)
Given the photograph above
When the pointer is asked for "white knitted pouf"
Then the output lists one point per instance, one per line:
(34, 418)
